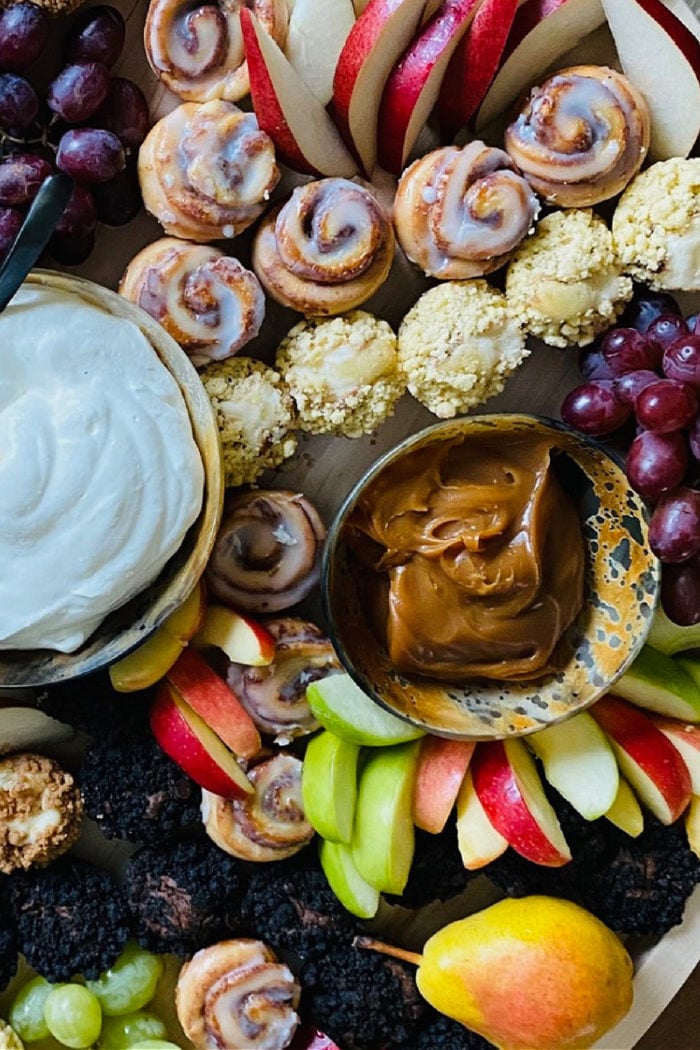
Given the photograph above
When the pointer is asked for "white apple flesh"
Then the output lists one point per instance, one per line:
(579, 762)
(625, 812)
(478, 841)
(316, 34)
(686, 739)
(244, 640)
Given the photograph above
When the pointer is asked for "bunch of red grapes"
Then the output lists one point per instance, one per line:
(86, 123)
(647, 370)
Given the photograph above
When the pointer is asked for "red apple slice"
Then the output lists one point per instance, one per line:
(297, 123)
(474, 64)
(244, 640)
(380, 35)
(686, 739)
(441, 768)
(214, 701)
(478, 841)
(189, 741)
(413, 85)
(661, 57)
(510, 790)
(649, 761)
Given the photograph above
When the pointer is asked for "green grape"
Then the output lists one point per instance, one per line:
(156, 1044)
(73, 1015)
(131, 1030)
(130, 983)
(27, 1010)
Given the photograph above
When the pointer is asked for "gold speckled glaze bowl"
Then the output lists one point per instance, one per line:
(131, 624)
(620, 591)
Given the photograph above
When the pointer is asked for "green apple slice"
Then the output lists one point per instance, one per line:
(383, 838)
(663, 684)
(579, 762)
(625, 812)
(343, 708)
(353, 892)
(329, 786)
(669, 637)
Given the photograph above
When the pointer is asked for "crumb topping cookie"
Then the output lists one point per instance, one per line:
(40, 811)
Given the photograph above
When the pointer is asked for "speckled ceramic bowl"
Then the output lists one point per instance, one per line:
(620, 591)
(125, 628)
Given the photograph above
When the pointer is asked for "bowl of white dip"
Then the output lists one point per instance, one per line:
(110, 479)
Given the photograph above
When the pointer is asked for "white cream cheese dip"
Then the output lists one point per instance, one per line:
(100, 476)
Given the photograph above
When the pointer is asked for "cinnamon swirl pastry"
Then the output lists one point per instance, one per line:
(196, 46)
(208, 302)
(237, 994)
(459, 213)
(581, 136)
(207, 171)
(326, 250)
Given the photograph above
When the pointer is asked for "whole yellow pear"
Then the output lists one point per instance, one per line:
(530, 974)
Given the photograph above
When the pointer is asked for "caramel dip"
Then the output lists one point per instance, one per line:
(471, 557)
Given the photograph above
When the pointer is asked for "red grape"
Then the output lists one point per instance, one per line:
(682, 360)
(592, 364)
(125, 113)
(680, 592)
(666, 405)
(10, 223)
(24, 33)
(656, 463)
(646, 306)
(21, 175)
(630, 385)
(90, 155)
(593, 408)
(78, 91)
(79, 218)
(97, 35)
(19, 104)
(666, 330)
(626, 350)
(674, 529)
(119, 200)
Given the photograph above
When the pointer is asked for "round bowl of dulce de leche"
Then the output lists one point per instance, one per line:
(490, 576)
(110, 479)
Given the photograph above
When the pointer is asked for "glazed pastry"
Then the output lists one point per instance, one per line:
(459, 213)
(196, 48)
(326, 250)
(40, 811)
(237, 994)
(205, 299)
(267, 825)
(581, 136)
(207, 171)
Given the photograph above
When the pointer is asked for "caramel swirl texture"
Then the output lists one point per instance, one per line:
(207, 171)
(581, 136)
(196, 47)
(459, 213)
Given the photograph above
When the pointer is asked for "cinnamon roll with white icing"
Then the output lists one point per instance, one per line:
(459, 213)
(581, 136)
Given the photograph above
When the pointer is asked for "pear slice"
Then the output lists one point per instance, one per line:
(353, 892)
(579, 762)
(343, 708)
(329, 786)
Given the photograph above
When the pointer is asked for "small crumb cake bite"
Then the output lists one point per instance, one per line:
(458, 345)
(565, 283)
(40, 811)
(656, 226)
(343, 373)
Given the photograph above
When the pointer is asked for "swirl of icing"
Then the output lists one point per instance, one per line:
(459, 213)
(207, 171)
(581, 136)
(237, 994)
(206, 300)
(196, 49)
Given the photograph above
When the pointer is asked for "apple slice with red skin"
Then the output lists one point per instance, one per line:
(692, 825)
(215, 702)
(478, 841)
(312, 1039)
(648, 760)
(413, 85)
(686, 739)
(303, 133)
(474, 65)
(196, 748)
(511, 793)
(441, 768)
(244, 640)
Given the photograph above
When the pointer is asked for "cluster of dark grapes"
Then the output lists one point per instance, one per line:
(88, 124)
(647, 371)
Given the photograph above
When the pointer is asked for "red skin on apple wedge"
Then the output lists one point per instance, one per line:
(474, 64)
(299, 126)
(439, 775)
(649, 761)
(186, 738)
(511, 793)
(312, 1039)
(212, 699)
(685, 737)
(414, 83)
(243, 639)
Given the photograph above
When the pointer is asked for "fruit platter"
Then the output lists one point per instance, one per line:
(350, 524)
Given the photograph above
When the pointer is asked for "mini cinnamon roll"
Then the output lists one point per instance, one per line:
(267, 554)
(275, 695)
(581, 136)
(326, 250)
(459, 213)
(267, 825)
(208, 302)
(237, 994)
(196, 46)
(207, 171)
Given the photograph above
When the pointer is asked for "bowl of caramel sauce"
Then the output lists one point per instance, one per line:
(489, 576)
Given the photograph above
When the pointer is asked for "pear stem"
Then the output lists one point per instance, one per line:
(387, 949)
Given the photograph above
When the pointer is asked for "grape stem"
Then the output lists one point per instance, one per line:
(373, 945)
